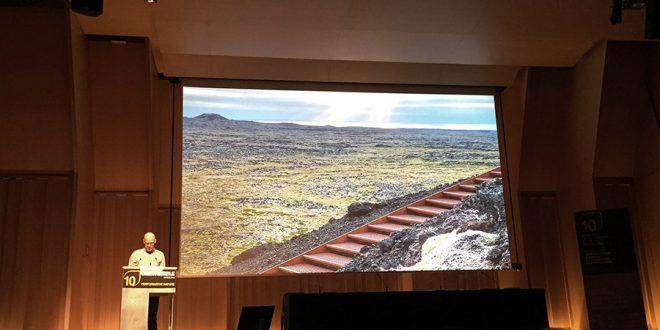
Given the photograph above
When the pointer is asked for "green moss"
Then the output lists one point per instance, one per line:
(210, 195)
(293, 234)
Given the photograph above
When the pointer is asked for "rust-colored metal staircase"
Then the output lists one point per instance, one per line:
(338, 252)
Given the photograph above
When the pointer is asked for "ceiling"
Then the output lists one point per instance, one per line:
(199, 37)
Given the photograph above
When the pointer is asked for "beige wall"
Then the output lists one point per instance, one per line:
(647, 178)
(103, 115)
(35, 91)
(547, 95)
(628, 140)
(577, 138)
(539, 223)
(512, 110)
(36, 164)
(79, 299)
(119, 84)
(646, 181)
(589, 134)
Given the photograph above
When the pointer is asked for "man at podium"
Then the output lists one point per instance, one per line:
(149, 256)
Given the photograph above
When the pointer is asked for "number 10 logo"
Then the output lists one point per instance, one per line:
(132, 278)
(592, 222)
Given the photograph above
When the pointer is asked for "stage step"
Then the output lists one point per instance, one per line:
(340, 251)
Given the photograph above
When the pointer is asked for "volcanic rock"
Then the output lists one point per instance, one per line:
(360, 209)
(470, 236)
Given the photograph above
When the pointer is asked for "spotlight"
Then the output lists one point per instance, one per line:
(151, 1)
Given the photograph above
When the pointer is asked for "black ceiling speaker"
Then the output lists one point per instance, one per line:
(87, 7)
(617, 7)
(652, 19)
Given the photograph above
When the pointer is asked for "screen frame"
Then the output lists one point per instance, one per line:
(494, 91)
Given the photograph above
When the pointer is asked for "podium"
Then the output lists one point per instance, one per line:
(138, 283)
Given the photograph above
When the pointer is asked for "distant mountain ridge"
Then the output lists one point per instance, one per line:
(208, 120)
(211, 116)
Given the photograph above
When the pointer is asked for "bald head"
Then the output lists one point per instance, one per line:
(149, 241)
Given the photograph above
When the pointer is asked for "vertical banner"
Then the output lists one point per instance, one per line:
(609, 270)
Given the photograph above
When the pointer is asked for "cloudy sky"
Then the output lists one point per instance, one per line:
(343, 108)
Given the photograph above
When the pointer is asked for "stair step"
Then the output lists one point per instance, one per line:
(388, 227)
(304, 267)
(443, 202)
(339, 251)
(457, 194)
(427, 210)
(469, 187)
(369, 237)
(346, 247)
(328, 259)
(407, 218)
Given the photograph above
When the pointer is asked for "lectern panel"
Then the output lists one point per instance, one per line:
(161, 278)
(138, 284)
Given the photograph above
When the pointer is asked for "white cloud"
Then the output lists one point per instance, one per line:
(324, 106)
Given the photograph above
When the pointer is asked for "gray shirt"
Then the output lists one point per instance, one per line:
(141, 257)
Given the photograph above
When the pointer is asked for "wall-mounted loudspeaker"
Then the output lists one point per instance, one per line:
(652, 19)
(87, 7)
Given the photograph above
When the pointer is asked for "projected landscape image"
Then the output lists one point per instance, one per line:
(278, 182)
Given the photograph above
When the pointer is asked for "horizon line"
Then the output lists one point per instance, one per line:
(460, 127)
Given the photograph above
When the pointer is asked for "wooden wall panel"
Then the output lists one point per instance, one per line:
(120, 220)
(623, 102)
(647, 178)
(544, 253)
(35, 122)
(628, 147)
(648, 151)
(35, 216)
(215, 303)
(79, 300)
(620, 193)
(513, 101)
(201, 303)
(119, 80)
(289, 69)
(547, 91)
(455, 280)
(271, 290)
(646, 196)
(577, 137)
